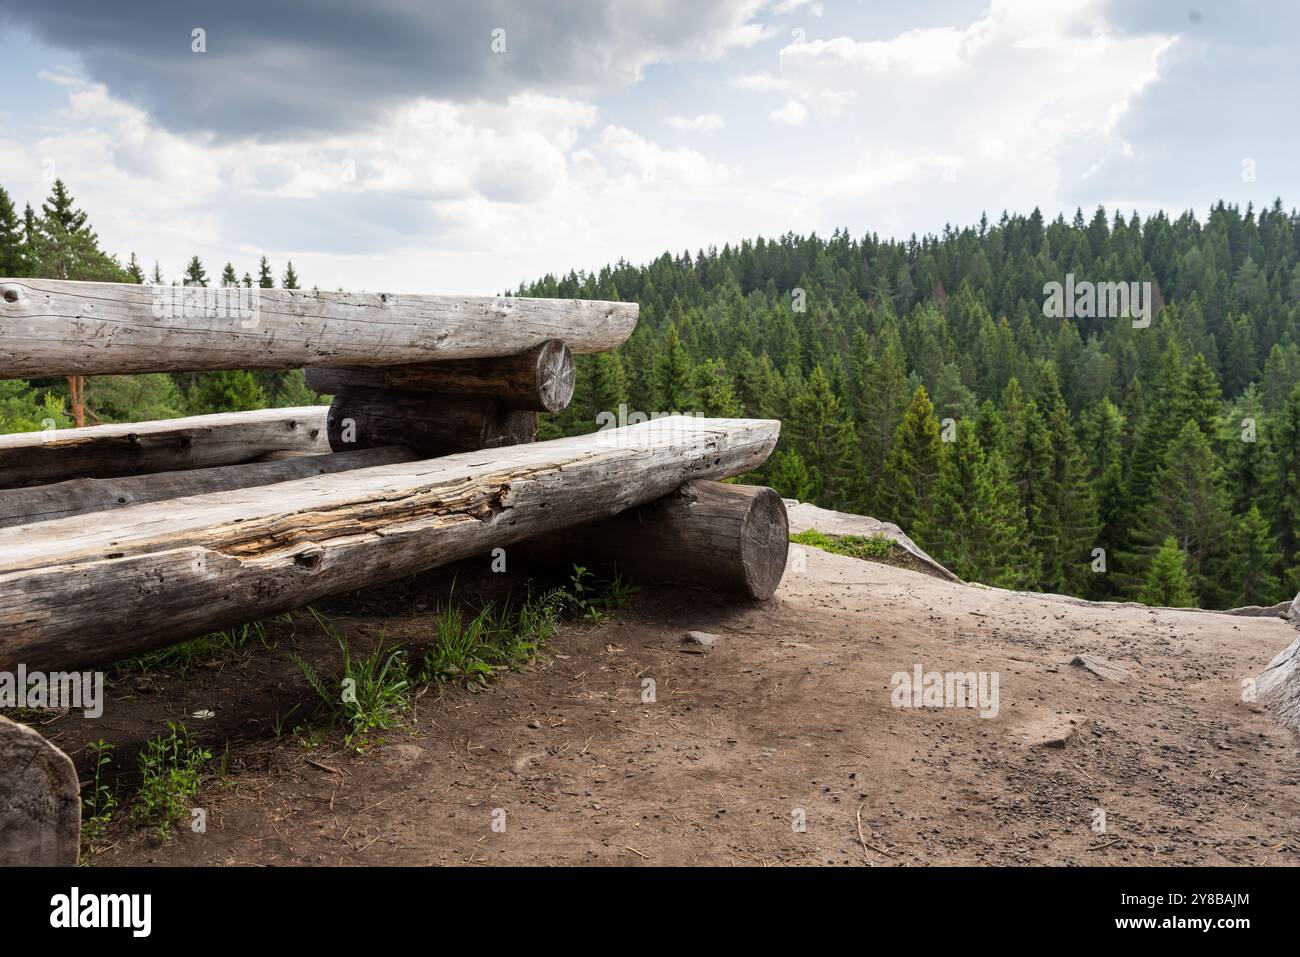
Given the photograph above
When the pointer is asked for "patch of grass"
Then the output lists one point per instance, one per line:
(182, 659)
(170, 768)
(99, 805)
(855, 546)
(371, 692)
(596, 599)
(496, 638)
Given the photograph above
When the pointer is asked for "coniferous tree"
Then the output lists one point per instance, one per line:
(264, 278)
(290, 280)
(822, 432)
(1167, 582)
(1255, 560)
(912, 464)
(1188, 504)
(228, 276)
(11, 238)
(674, 376)
(715, 393)
(134, 272)
(195, 274)
(1284, 489)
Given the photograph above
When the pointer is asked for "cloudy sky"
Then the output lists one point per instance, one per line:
(466, 146)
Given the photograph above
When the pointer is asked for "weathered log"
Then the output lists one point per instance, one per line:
(731, 538)
(98, 587)
(199, 441)
(1278, 688)
(40, 801)
(430, 425)
(44, 503)
(52, 327)
(540, 380)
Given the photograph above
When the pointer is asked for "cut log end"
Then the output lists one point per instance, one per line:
(40, 801)
(555, 375)
(765, 542)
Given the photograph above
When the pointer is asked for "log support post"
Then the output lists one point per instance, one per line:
(731, 538)
(442, 408)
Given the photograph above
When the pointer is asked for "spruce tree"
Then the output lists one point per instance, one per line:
(674, 375)
(715, 394)
(912, 465)
(823, 434)
(228, 276)
(195, 274)
(264, 278)
(290, 280)
(1188, 504)
(1167, 582)
(11, 239)
(1284, 488)
(1255, 560)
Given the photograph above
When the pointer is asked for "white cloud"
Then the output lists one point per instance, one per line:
(792, 114)
(703, 123)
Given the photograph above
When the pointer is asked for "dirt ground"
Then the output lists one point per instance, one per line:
(787, 718)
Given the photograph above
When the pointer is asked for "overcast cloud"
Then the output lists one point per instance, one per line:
(386, 145)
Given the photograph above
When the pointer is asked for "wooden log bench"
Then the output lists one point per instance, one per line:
(427, 455)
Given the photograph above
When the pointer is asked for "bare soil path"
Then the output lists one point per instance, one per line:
(787, 718)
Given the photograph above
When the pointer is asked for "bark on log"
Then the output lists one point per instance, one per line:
(199, 441)
(52, 327)
(732, 538)
(1278, 688)
(430, 425)
(44, 503)
(95, 588)
(40, 801)
(540, 380)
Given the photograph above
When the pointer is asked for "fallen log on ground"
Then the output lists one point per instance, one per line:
(199, 441)
(732, 538)
(540, 380)
(52, 327)
(95, 588)
(44, 503)
(40, 801)
(430, 425)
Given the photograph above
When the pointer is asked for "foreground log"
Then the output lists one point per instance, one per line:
(44, 503)
(91, 588)
(1278, 688)
(40, 801)
(731, 538)
(540, 380)
(199, 441)
(430, 425)
(52, 327)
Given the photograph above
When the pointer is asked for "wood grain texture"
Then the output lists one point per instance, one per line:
(430, 425)
(98, 587)
(52, 327)
(540, 380)
(199, 441)
(40, 801)
(44, 503)
(732, 538)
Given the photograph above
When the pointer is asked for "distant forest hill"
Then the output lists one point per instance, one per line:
(923, 382)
